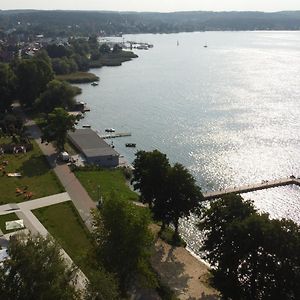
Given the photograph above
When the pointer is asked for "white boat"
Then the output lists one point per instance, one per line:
(94, 83)
(110, 130)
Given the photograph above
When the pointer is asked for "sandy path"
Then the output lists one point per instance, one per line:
(185, 274)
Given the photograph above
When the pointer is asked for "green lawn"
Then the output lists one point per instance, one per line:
(109, 181)
(65, 225)
(36, 175)
(6, 218)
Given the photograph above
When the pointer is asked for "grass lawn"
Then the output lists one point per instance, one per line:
(65, 225)
(6, 218)
(36, 175)
(109, 181)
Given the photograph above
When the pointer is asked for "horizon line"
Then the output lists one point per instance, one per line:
(137, 11)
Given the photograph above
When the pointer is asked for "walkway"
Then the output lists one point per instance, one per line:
(251, 188)
(31, 222)
(34, 204)
(78, 194)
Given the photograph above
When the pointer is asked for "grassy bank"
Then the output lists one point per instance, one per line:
(36, 176)
(65, 225)
(78, 77)
(113, 59)
(108, 181)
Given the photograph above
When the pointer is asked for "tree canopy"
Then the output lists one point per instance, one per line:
(124, 240)
(33, 75)
(149, 174)
(36, 270)
(57, 94)
(252, 256)
(7, 86)
(180, 196)
(56, 127)
(170, 191)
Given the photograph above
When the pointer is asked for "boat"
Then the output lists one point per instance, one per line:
(86, 126)
(177, 43)
(94, 83)
(110, 130)
(132, 145)
(205, 46)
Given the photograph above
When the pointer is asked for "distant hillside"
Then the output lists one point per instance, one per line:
(87, 22)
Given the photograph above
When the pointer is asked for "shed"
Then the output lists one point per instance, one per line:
(95, 150)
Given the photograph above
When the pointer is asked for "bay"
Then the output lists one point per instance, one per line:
(229, 112)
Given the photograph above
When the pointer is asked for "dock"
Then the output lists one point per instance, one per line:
(252, 188)
(115, 135)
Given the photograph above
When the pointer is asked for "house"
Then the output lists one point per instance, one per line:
(95, 150)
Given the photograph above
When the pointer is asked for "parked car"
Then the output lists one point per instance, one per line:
(64, 156)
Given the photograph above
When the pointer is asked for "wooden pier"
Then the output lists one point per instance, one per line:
(115, 135)
(254, 187)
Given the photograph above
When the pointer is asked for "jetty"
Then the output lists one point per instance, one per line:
(115, 135)
(265, 184)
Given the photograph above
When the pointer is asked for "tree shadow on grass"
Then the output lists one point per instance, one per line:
(170, 269)
(37, 165)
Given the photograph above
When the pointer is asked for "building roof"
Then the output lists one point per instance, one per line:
(90, 144)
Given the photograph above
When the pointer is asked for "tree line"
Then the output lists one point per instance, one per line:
(81, 23)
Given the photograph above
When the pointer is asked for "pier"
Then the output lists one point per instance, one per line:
(252, 188)
(115, 135)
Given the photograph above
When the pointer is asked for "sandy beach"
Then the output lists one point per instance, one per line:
(182, 272)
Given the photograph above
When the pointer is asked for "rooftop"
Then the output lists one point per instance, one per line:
(90, 144)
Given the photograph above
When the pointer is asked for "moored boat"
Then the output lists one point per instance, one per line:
(132, 145)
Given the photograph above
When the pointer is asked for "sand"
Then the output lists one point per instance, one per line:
(183, 273)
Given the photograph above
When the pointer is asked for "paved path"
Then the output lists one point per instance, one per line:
(34, 204)
(253, 187)
(33, 225)
(78, 194)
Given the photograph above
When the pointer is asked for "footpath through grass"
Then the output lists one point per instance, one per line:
(108, 181)
(36, 178)
(65, 225)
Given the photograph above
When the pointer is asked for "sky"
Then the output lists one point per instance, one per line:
(154, 5)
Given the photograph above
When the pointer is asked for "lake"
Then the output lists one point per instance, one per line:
(229, 112)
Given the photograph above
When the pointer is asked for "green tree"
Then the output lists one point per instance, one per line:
(7, 87)
(149, 174)
(58, 51)
(33, 76)
(12, 125)
(64, 65)
(36, 270)
(57, 94)
(56, 127)
(252, 256)
(101, 286)
(124, 240)
(104, 49)
(117, 48)
(180, 197)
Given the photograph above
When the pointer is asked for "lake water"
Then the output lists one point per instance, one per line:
(229, 112)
